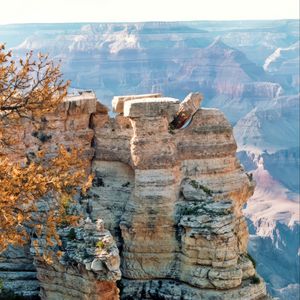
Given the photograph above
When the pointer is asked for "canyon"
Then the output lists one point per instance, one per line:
(247, 69)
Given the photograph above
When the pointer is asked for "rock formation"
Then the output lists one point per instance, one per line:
(17, 272)
(69, 126)
(87, 268)
(171, 199)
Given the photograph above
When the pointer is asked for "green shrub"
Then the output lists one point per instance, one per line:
(100, 245)
(196, 185)
(85, 255)
(255, 279)
(43, 137)
(190, 210)
(72, 234)
(250, 176)
(206, 190)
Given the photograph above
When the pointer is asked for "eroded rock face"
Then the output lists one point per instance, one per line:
(171, 199)
(17, 271)
(181, 222)
(86, 268)
(70, 127)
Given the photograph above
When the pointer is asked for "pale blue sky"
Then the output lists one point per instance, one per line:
(40, 11)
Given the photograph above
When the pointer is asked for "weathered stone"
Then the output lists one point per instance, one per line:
(168, 289)
(187, 109)
(225, 278)
(151, 107)
(87, 266)
(172, 200)
(191, 103)
(97, 265)
(118, 101)
(17, 271)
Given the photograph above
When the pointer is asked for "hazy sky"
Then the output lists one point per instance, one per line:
(41, 11)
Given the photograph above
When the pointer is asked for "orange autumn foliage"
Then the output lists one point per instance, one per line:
(29, 89)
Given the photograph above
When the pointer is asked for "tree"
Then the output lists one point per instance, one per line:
(29, 89)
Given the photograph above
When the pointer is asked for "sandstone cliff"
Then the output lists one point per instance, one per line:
(171, 199)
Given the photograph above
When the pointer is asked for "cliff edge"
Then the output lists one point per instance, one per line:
(172, 200)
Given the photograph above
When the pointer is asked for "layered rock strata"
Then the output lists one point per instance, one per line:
(68, 126)
(17, 272)
(171, 199)
(175, 203)
(87, 266)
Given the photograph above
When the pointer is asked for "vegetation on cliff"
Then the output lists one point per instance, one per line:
(29, 89)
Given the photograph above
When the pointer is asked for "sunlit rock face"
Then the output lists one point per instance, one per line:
(171, 201)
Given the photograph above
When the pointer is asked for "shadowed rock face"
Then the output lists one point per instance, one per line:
(18, 272)
(87, 268)
(171, 199)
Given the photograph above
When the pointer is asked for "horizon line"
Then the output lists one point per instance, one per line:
(149, 21)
